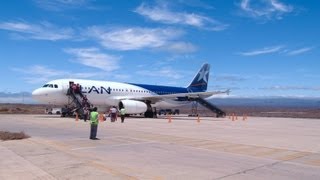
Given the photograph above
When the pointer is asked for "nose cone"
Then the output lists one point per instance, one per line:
(39, 95)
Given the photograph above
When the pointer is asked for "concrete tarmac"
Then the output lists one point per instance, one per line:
(140, 148)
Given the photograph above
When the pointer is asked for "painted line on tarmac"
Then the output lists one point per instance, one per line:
(118, 145)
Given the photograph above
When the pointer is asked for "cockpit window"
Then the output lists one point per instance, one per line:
(50, 86)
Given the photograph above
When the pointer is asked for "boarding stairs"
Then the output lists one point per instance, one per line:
(76, 100)
(210, 106)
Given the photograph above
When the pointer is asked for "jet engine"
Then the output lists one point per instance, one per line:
(133, 107)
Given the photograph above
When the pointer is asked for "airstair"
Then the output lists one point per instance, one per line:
(208, 105)
(76, 102)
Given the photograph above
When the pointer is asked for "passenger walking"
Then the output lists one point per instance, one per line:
(74, 88)
(122, 114)
(113, 112)
(85, 113)
(78, 88)
(70, 87)
(85, 102)
(94, 124)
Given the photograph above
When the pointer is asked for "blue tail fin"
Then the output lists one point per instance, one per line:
(200, 81)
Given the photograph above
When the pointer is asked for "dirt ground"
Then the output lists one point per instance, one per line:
(22, 109)
(258, 111)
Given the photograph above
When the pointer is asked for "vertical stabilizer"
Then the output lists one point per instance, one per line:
(200, 81)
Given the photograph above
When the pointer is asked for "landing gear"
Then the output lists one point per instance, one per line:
(149, 113)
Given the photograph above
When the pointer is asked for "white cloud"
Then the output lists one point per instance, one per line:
(308, 88)
(299, 51)
(167, 72)
(278, 6)
(230, 77)
(181, 47)
(277, 49)
(58, 5)
(266, 50)
(136, 38)
(132, 38)
(92, 57)
(39, 74)
(39, 70)
(121, 76)
(266, 9)
(42, 31)
(164, 15)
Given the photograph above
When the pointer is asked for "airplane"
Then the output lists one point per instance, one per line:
(135, 98)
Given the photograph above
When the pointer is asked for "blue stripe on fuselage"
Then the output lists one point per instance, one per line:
(162, 90)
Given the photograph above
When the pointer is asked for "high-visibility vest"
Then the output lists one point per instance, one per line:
(94, 117)
(122, 111)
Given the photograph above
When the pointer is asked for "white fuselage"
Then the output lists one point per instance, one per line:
(99, 93)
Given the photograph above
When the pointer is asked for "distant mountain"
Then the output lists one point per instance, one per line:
(267, 102)
(20, 94)
(20, 97)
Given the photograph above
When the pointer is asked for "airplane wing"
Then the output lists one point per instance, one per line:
(177, 96)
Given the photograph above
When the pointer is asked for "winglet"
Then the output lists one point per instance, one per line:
(200, 81)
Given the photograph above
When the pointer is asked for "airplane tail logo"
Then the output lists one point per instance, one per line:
(200, 81)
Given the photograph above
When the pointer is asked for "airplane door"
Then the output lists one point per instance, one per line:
(70, 84)
(66, 86)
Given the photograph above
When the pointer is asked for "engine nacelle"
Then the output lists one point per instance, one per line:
(134, 107)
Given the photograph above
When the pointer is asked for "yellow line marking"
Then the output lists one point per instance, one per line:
(270, 152)
(313, 162)
(293, 156)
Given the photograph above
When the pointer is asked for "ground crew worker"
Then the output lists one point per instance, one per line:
(122, 114)
(94, 123)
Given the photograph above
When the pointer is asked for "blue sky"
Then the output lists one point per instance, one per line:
(255, 47)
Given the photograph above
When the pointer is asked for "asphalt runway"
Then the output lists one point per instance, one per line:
(140, 148)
